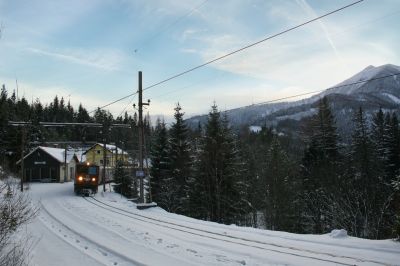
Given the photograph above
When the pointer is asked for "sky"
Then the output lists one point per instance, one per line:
(90, 51)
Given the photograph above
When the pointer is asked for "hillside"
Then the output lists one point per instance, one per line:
(344, 98)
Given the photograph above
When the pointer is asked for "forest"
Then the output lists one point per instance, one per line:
(228, 175)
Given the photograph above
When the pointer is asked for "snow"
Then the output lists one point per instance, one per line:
(111, 148)
(57, 153)
(338, 233)
(299, 115)
(392, 97)
(110, 230)
(255, 129)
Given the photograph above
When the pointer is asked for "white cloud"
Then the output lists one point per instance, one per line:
(107, 60)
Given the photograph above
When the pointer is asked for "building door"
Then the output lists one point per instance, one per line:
(71, 173)
(53, 174)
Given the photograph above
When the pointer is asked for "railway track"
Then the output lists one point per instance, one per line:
(121, 259)
(272, 247)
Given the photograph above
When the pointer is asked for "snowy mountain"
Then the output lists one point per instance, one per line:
(344, 97)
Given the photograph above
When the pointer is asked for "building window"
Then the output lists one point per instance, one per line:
(98, 151)
(101, 161)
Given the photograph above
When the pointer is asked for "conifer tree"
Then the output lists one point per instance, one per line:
(378, 141)
(179, 161)
(361, 152)
(277, 186)
(124, 182)
(159, 161)
(320, 166)
(218, 182)
(392, 146)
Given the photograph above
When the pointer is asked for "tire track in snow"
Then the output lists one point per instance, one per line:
(105, 251)
(198, 232)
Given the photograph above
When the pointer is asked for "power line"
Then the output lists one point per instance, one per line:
(123, 110)
(251, 45)
(238, 50)
(118, 100)
(168, 26)
(311, 92)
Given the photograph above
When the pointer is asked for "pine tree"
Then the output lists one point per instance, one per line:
(392, 146)
(124, 182)
(159, 161)
(378, 141)
(361, 152)
(179, 161)
(320, 167)
(277, 188)
(218, 193)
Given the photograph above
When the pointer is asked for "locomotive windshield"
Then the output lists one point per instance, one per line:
(92, 170)
(83, 169)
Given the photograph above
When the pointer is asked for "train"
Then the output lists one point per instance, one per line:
(86, 179)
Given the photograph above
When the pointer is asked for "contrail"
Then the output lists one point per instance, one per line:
(308, 9)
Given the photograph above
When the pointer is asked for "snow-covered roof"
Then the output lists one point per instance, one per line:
(110, 148)
(56, 153)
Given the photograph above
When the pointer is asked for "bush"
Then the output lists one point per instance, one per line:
(15, 211)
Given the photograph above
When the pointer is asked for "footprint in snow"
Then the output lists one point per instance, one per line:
(191, 250)
(159, 241)
(86, 247)
(77, 241)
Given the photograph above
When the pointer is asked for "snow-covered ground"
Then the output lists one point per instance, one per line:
(109, 230)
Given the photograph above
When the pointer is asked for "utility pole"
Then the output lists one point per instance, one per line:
(141, 142)
(23, 136)
(104, 157)
(65, 164)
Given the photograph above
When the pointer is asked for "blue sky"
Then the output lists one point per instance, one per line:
(90, 51)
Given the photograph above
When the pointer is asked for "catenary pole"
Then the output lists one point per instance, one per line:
(140, 105)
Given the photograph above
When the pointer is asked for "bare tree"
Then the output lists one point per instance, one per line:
(15, 211)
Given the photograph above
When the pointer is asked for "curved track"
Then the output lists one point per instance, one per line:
(272, 247)
(119, 258)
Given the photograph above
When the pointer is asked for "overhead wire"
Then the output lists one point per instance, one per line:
(118, 100)
(334, 34)
(316, 91)
(251, 45)
(123, 110)
(238, 50)
(168, 26)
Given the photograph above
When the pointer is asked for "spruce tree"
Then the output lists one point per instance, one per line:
(277, 186)
(392, 146)
(320, 168)
(361, 152)
(159, 161)
(378, 141)
(179, 161)
(219, 188)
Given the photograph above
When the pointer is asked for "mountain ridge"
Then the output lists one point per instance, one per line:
(377, 93)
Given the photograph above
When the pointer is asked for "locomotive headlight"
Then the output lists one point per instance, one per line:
(93, 179)
(80, 178)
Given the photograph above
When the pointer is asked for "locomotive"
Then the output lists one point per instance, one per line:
(86, 179)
